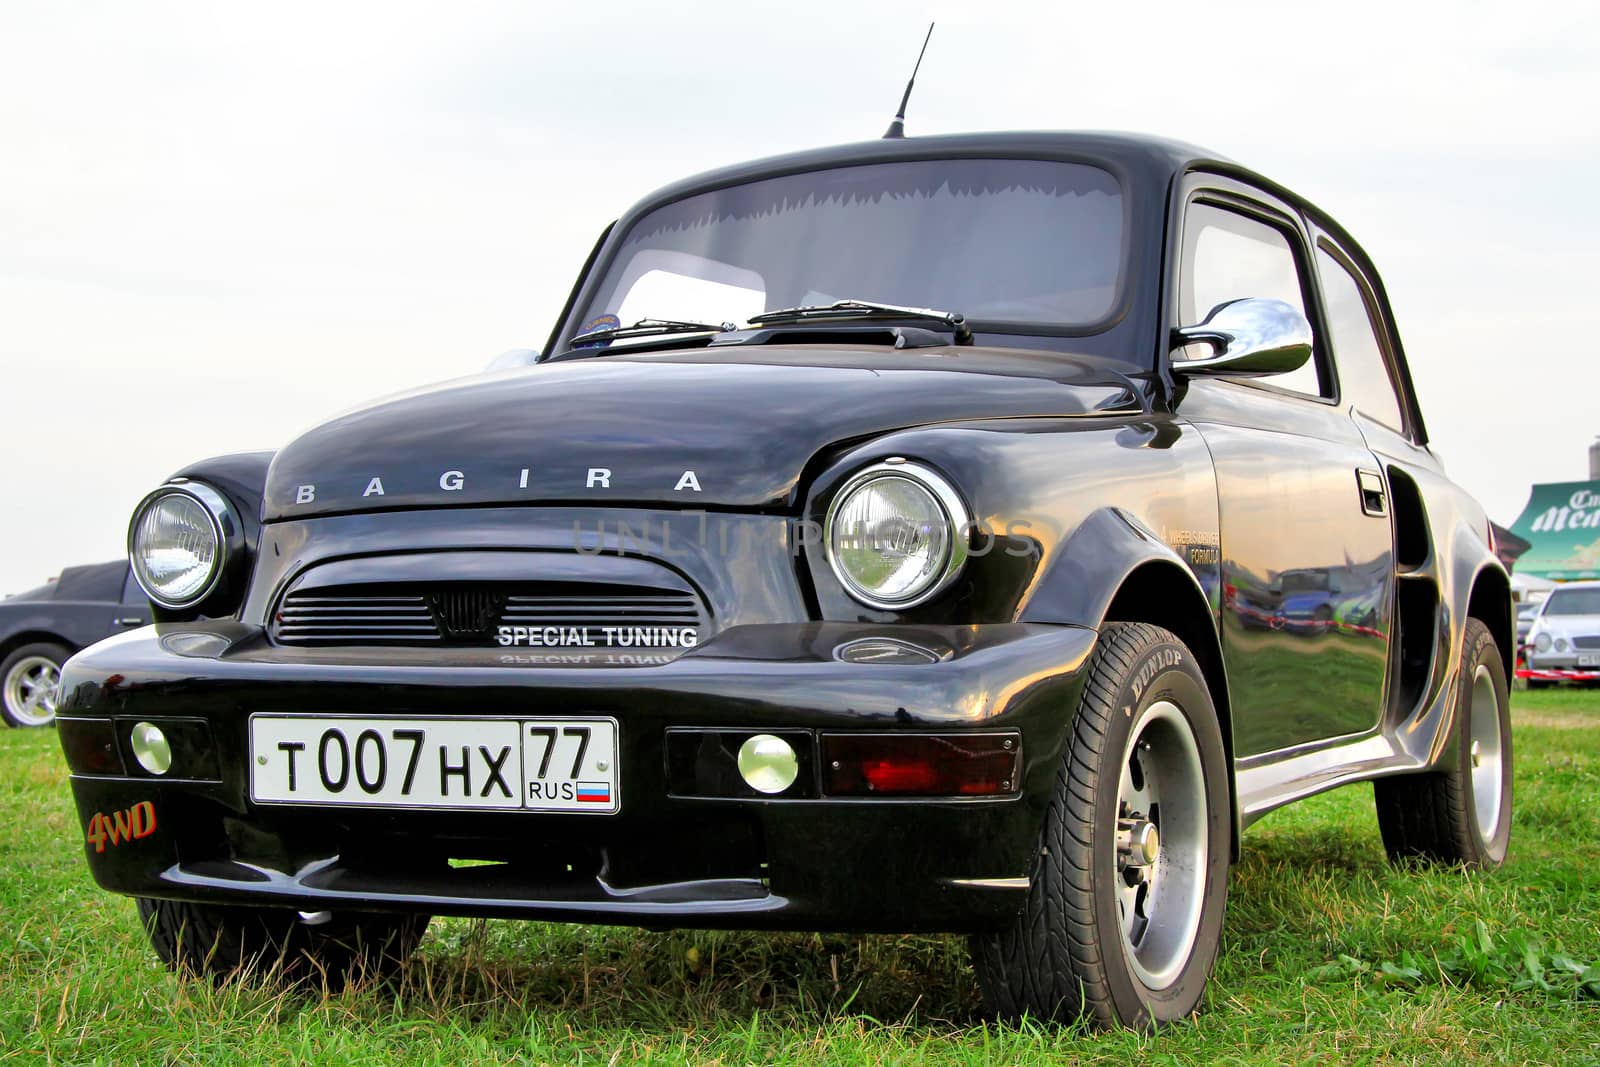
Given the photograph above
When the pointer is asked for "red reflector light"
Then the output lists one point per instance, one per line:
(89, 745)
(921, 765)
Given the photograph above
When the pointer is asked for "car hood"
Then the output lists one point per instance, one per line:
(1562, 625)
(718, 428)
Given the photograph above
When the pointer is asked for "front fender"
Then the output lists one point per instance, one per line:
(1092, 566)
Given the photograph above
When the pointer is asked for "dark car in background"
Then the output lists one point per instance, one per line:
(41, 628)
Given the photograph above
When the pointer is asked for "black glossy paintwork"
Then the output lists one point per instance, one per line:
(746, 422)
(992, 677)
(240, 477)
(1307, 577)
(1104, 484)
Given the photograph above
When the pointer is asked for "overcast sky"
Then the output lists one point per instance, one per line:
(220, 224)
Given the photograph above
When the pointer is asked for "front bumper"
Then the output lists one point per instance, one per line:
(1572, 660)
(1552, 673)
(664, 859)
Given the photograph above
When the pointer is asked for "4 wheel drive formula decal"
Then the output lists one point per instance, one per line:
(129, 824)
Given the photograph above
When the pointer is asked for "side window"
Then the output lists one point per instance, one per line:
(1363, 370)
(1228, 256)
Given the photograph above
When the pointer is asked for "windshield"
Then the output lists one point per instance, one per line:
(1001, 241)
(1573, 602)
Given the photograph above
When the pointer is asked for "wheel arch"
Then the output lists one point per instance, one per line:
(15, 641)
(1490, 603)
(1114, 570)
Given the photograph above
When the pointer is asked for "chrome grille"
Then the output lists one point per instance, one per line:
(663, 609)
(470, 614)
(1587, 641)
(346, 619)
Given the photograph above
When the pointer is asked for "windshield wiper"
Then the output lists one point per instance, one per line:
(648, 327)
(867, 309)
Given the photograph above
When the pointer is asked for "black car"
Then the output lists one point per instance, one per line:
(39, 629)
(872, 549)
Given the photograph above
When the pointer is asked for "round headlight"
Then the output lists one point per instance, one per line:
(896, 534)
(1561, 644)
(1542, 642)
(178, 543)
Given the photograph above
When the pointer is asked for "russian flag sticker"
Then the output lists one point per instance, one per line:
(594, 792)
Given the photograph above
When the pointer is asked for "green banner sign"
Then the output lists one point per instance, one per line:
(1562, 522)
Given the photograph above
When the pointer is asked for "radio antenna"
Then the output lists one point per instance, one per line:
(897, 128)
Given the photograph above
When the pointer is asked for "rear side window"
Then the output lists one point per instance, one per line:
(1364, 375)
(1230, 256)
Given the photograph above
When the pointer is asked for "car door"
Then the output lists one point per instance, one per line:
(1375, 393)
(134, 608)
(1307, 551)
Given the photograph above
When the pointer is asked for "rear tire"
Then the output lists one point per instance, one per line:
(228, 943)
(1461, 814)
(1124, 913)
(29, 679)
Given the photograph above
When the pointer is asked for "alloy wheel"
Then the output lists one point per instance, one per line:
(1161, 843)
(30, 690)
(1485, 752)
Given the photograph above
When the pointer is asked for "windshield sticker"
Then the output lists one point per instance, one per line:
(599, 322)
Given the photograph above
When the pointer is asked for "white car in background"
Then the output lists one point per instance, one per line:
(1565, 638)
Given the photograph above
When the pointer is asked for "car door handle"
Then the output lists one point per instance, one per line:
(1372, 494)
(130, 620)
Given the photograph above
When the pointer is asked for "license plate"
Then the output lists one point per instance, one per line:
(561, 765)
(1591, 659)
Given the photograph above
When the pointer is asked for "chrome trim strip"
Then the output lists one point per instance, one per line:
(990, 883)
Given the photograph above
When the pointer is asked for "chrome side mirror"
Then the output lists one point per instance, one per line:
(1248, 338)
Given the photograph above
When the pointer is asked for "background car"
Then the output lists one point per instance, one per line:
(39, 629)
(1564, 641)
(1526, 613)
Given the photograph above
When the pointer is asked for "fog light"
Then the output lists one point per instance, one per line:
(150, 748)
(768, 764)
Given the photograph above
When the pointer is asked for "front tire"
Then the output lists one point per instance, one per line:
(227, 943)
(29, 679)
(1461, 814)
(1124, 913)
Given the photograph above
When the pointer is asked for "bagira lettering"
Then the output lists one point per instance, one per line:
(130, 824)
(455, 480)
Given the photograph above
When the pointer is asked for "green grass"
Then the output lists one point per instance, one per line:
(1329, 956)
